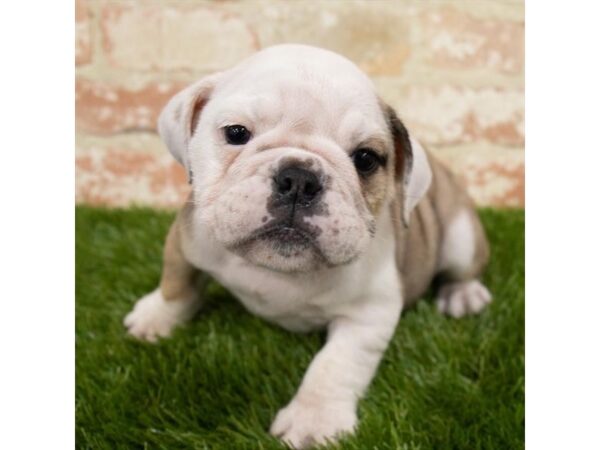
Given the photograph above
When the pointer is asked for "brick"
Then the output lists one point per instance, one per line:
(83, 44)
(124, 172)
(105, 108)
(459, 41)
(376, 39)
(443, 65)
(494, 176)
(145, 37)
(448, 115)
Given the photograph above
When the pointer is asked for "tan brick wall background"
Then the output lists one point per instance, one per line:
(452, 69)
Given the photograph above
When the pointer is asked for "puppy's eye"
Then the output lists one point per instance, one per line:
(237, 134)
(366, 161)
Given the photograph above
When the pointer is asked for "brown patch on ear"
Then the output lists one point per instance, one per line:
(192, 119)
(196, 110)
(402, 147)
(375, 187)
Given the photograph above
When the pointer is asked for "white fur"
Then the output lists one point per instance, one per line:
(418, 179)
(293, 111)
(297, 301)
(173, 124)
(456, 257)
(153, 317)
(308, 104)
(461, 298)
(458, 245)
(359, 303)
(306, 422)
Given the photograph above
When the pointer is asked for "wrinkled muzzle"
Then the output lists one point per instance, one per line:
(292, 214)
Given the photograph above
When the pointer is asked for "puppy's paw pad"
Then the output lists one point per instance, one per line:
(302, 425)
(462, 298)
(152, 317)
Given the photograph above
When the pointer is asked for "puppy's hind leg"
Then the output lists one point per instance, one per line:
(464, 254)
(174, 302)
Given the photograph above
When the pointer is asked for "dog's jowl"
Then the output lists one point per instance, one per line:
(316, 208)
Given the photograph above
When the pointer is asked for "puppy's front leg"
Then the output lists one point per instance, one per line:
(175, 301)
(325, 405)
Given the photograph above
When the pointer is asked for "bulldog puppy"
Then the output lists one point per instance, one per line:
(315, 207)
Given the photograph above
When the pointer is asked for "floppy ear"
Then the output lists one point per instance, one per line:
(178, 120)
(412, 166)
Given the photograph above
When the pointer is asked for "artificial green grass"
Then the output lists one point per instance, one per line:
(218, 382)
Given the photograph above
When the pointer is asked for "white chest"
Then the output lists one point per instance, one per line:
(299, 302)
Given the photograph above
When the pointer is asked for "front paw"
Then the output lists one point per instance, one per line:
(464, 297)
(153, 317)
(303, 424)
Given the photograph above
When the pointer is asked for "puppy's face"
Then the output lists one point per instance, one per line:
(292, 157)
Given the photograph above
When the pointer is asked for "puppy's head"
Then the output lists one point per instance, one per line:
(292, 157)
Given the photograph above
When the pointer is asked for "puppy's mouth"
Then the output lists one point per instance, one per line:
(286, 239)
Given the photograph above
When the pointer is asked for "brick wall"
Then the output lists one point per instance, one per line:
(452, 69)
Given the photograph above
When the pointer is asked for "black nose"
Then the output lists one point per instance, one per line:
(297, 185)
